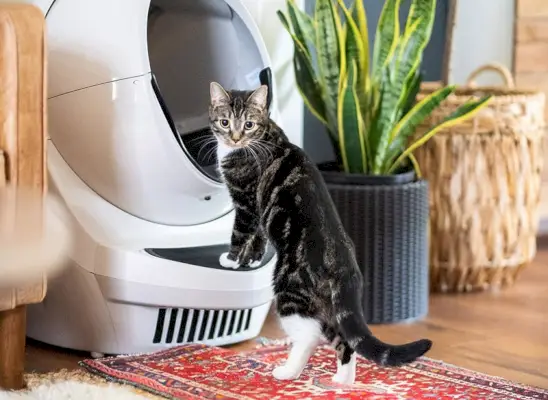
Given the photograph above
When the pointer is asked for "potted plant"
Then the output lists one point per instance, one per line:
(368, 106)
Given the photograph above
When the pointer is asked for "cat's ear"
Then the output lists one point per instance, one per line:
(259, 97)
(218, 94)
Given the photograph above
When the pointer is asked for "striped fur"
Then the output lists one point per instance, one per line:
(280, 195)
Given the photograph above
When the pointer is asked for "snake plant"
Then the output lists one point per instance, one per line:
(368, 104)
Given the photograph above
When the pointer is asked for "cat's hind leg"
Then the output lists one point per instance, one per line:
(305, 335)
(346, 364)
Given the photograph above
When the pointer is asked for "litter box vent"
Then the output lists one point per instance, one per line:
(183, 325)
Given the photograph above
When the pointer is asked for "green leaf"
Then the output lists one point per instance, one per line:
(418, 114)
(359, 15)
(404, 65)
(461, 114)
(307, 83)
(351, 134)
(397, 75)
(420, 9)
(303, 26)
(385, 119)
(343, 62)
(328, 30)
(356, 51)
(412, 89)
(410, 79)
(403, 130)
(364, 82)
(418, 31)
(416, 166)
(386, 37)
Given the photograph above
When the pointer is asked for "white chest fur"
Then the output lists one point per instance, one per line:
(222, 151)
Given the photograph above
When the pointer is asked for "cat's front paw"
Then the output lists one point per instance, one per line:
(284, 373)
(226, 262)
(255, 264)
(252, 259)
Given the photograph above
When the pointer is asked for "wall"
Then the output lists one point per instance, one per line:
(483, 33)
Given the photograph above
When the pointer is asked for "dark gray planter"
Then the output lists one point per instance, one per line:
(387, 219)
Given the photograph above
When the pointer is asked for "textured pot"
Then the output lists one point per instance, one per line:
(387, 219)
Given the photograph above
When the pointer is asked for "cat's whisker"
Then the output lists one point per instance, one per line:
(201, 138)
(269, 147)
(203, 146)
(209, 153)
(204, 143)
(248, 152)
(266, 154)
(256, 157)
(264, 149)
(268, 144)
(260, 146)
(253, 146)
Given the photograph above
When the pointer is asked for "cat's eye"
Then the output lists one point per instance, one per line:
(225, 123)
(249, 125)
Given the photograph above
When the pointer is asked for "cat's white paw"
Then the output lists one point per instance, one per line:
(255, 264)
(346, 374)
(343, 379)
(228, 263)
(284, 372)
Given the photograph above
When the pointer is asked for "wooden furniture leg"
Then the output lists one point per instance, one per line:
(12, 347)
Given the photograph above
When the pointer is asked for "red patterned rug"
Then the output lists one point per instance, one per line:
(201, 372)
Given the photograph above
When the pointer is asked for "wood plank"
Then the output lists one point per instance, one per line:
(532, 80)
(483, 356)
(531, 8)
(531, 30)
(538, 81)
(531, 57)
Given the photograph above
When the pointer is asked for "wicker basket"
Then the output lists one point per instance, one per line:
(484, 177)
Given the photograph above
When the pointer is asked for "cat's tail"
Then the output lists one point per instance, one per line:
(350, 317)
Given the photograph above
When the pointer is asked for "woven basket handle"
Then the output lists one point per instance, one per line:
(501, 69)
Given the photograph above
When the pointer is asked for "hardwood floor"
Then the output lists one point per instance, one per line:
(503, 334)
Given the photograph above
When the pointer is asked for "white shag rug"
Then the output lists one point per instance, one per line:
(74, 390)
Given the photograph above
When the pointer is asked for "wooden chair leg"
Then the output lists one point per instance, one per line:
(12, 347)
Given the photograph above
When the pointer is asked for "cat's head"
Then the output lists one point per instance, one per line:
(237, 118)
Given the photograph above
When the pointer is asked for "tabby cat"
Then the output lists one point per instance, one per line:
(279, 195)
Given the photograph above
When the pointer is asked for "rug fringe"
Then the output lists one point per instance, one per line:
(141, 390)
